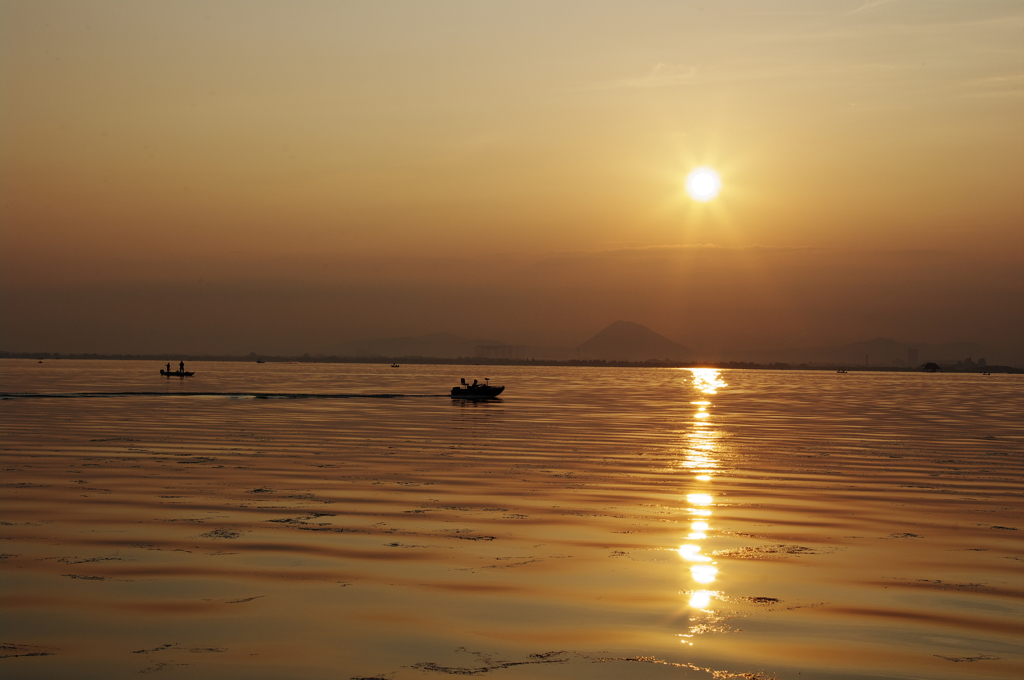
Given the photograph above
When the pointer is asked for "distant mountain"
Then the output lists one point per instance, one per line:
(627, 341)
(887, 350)
(876, 352)
(440, 345)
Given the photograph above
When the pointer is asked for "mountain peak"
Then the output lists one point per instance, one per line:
(629, 341)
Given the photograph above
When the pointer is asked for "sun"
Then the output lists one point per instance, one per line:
(703, 184)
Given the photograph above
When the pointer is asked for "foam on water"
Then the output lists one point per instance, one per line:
(595, 523)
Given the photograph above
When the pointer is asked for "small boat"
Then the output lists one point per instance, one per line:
(177, 374)
(260, 361)
(394, 365)
(476, 390)
(841, 370)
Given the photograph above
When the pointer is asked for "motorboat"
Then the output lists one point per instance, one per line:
(476, 390)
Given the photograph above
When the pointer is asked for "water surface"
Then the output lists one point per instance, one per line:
(593, 523)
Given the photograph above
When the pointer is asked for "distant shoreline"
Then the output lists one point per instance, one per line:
(478, 361)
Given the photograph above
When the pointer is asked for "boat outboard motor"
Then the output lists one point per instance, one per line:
(463, 381)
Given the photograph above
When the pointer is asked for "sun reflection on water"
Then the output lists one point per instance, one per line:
(699, 457)
(707, 380)
(700, 599)
(704, 573)
(699, 528)
(691, 553)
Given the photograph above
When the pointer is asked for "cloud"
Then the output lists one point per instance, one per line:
(1001, 85)
(681, 250)
(702, 295)
(869, 5)
(660, 75)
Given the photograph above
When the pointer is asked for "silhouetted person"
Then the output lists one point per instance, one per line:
(168, 366)
(181, 366)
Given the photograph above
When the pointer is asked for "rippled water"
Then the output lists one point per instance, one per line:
(593, 523)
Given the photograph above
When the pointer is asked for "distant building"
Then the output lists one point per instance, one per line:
(501, 351)
(912, 356)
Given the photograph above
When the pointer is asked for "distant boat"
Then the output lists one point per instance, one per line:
(177, 374)
(476, 390)
(841, 370)
(394, 366)
(260, 361)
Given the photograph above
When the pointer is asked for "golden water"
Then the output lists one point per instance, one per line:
(594, 523)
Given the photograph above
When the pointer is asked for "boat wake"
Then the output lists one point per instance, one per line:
(230, 395)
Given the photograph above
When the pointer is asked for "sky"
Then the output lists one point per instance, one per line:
(228, 177)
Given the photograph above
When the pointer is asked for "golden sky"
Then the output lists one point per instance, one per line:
(345, 146)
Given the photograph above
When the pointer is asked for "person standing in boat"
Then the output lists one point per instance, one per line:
(168, 366)
(181, 367)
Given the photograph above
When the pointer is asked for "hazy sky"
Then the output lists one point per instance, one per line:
(282, 176)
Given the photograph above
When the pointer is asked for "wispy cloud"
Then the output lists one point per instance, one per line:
(869, 5)
(660, 251)
(660, 75)
(1001, 85)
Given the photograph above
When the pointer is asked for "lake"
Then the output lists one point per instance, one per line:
(293, 521)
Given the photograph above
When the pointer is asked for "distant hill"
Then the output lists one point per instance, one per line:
(876, 352)
(627, 341)
(887, 350)
(441, 345)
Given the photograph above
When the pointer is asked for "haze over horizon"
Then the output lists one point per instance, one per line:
(227, 177)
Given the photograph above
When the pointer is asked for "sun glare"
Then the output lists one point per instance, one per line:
(703, 184)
